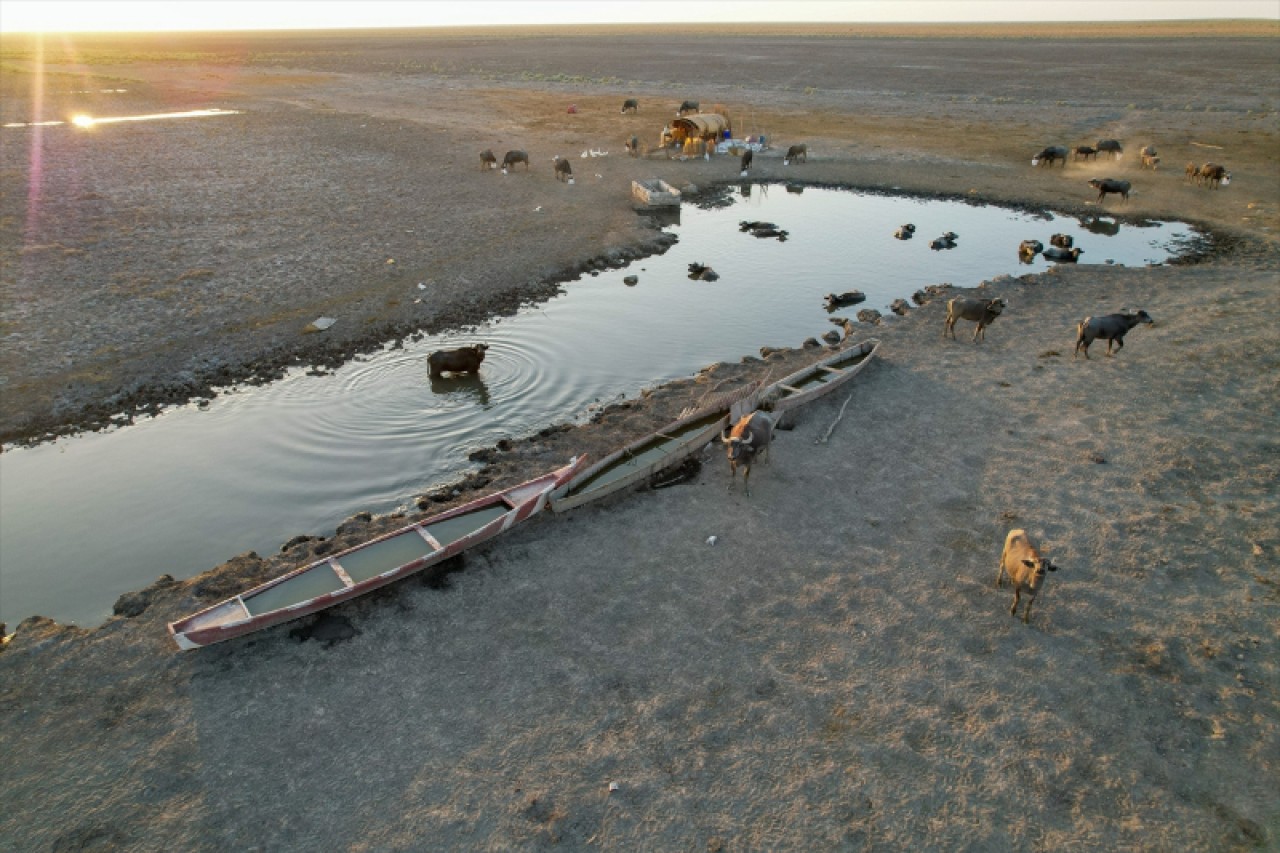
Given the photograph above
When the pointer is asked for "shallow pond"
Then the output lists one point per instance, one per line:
(88, 518)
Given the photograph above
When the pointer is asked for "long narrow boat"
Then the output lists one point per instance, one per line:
(821, 377)
(640, 459)
(378, 562)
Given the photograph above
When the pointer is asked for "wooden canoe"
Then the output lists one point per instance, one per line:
(821, 377)
(668, 446)
(343, 576)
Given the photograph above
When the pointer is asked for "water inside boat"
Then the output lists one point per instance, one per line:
(452, 529)
(654, 450)
(304, 586)
(373, 560)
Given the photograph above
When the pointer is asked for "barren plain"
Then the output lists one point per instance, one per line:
(838, 671)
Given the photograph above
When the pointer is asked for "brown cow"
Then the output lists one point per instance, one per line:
(487, 160)
(797, 153)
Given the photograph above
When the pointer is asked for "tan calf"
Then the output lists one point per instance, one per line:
(1022, 562)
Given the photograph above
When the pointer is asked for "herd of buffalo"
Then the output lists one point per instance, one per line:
(750, 436)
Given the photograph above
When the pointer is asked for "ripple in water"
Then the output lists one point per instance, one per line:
(262, 464)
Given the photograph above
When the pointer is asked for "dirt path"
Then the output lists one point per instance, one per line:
(837, 671)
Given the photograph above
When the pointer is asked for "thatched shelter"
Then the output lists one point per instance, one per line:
(700, 126)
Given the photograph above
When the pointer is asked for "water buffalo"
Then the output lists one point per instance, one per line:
(687, 107)
(796, 153)
(749, 437)
(1049, 155)
(1026, 568)
(487, 160)
(512, 157)
(1057, 253)
(1028, 249)
(564, 172)
(630, 105)
(1110, 185)
(461, 360)
(1111, 147)
(905, 232)
(633, 146)
(1149, 158)
(1213, 175)
(982, 311)
(840, 300)
(1084, 152)
(746, 160)
(1062, 241)
(1111, 328)
(946, 241)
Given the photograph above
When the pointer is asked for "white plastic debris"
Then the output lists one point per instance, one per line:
(711, 540)
(320, 324)
(538, 208)
(613, 786)
(422, 285)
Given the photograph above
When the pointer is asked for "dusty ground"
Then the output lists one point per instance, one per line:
(837, 672)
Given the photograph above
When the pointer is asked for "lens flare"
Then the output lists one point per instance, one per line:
(82, 121)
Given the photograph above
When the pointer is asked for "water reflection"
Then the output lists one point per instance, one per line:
(470, 388)
(260, 465)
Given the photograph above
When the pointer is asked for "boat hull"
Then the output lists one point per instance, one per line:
(370, 565)
(640, 460)
(820, 378)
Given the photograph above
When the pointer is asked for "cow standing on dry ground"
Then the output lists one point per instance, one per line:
(1084, 152)
(982, 311)
(1050, 154)
(797, 153)
(564, 172)
(512, 157)
(1149, 158)
(750, 437)
(1110, 327)
(1026, 568)
(1111, 147)
(687, 107)
(487, 160)
(1110, 185)
(461, 360)
(1213, 175)
(630, 105)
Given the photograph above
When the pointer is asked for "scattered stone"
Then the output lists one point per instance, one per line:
(133, 604)
(870, 315)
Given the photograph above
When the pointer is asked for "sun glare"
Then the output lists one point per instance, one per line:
(82, 121)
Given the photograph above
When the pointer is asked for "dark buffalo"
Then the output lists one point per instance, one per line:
(630, 105)
(1062, 241)
(1057, 253)
(1110, 185)
(749, 438)
(633, 146)
(461, 360)
(487, 160)
(1084, 152)
(905, 232)
(1111, 147)
(513, 157)
(1028, 249)
(746, 160)
(1111, 328)
(564, 172)
(840, 300)
(797, 153)
(687, 107)
(1049, 155)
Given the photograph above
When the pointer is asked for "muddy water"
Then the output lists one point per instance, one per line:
(86, 519)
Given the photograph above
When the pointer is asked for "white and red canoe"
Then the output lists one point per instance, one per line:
(343, 576)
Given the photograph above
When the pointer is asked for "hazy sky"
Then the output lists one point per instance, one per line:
(138, 15)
